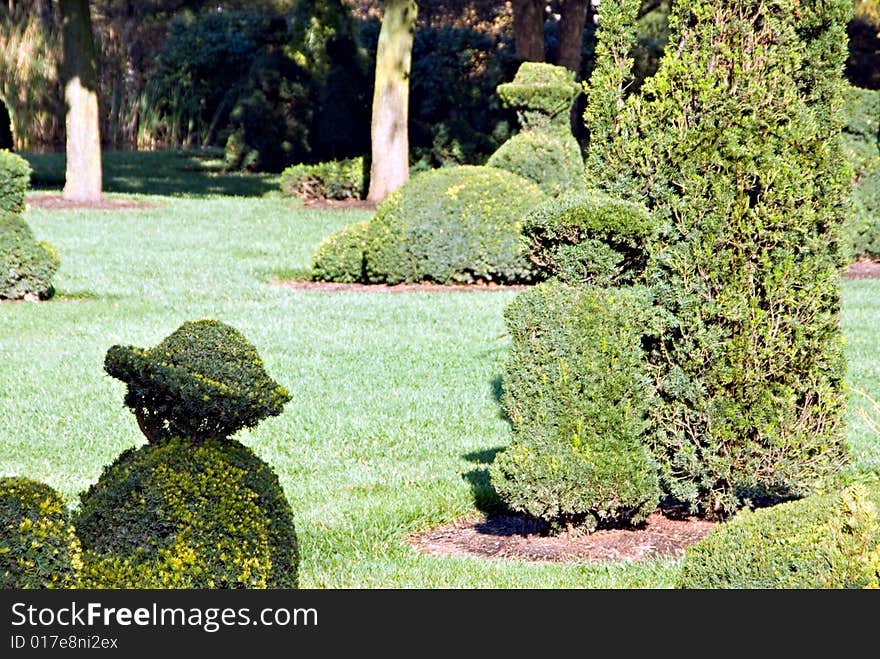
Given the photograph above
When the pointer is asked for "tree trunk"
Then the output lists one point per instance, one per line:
(528, 30)
(390, 120)
(82, 178)
(572, 19)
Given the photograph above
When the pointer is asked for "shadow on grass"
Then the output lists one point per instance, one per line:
(486, 498)
(171, 172)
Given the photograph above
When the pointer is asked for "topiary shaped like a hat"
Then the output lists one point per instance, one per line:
(205, 380)
(541, 93)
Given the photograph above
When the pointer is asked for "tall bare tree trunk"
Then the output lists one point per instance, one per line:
(390, 121)
(572, 19)
(528, 29)
(82, 178)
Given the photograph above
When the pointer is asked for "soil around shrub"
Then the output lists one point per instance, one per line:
(332, 286)
(53, 201)
(863, 269)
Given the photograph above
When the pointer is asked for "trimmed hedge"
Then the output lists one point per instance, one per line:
(183, 515)
(861, 138)
(827, 540)
(38, 548)
(15, 176)
(203, 381)
(342, 256)
(542, 94)
(588, 237)
(750, 191)
(26, 265)
(453, 225)
(336, 179)
(577, 393)
(551, 160)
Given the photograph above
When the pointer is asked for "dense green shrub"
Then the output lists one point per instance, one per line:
(577, 393)
(337, 179)
(827, 540)
(203, 381)
(15, 176)
(183, 515)
(26, 265)
(862, 147)
(551, 160)
(750, 193)
(452, 225)
(342, 256)
(38, 548)
(588, 237)
(542, 95)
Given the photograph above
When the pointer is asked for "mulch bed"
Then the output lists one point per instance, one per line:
(336, 287)
(338, 204)
(57, 202)
(863, 269)
(663, 534)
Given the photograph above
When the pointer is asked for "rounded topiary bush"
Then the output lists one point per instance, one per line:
(550, 159)
(181, 515)
(27, 266)
(453, 225)
(577, 394)
(827, 540)
(205, 380)
(588, 237)
(335, 179)
(342, 256)
(15, 176)
(38, 548)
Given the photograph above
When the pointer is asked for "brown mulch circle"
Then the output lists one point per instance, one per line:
(663, 534)
(57, 202)
(863, 269)
(339, 204)
(332, 286)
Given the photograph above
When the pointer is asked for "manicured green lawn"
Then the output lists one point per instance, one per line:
(394, 412)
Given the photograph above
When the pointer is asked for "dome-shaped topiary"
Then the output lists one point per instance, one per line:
(15, 176)
(205, 380)
(38, 548)
(342, 256)
(550, 159)
(26, 265)
(453, 225)
(182, 515)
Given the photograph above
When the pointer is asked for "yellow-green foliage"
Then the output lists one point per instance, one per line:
(827, 540)
(342, 256)
(550, 159)
(15, 176)
(183, 515)
(541, 93)
(38, 548)
(205, 380)
(336, 179)
(453, 225)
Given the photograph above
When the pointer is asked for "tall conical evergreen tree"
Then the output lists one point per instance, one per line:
(734, 145)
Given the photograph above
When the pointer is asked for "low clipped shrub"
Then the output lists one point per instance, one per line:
(183, 515)
(27, 266)
(204, 381)
(577, 393)
(15, 176)
(337, 179)
(453, 225)
(861, 139)
(551, 160)
(38, 548)
(829, 539)
(589, 237)
(342, 256)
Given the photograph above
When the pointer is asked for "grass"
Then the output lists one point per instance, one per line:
(394, 414)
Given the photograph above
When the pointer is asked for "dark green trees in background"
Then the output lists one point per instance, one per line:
(750, 190)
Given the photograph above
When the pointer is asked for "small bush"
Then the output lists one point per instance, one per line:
(15, 176)
(26, 265)
(453, 225)
(205, 380)
(183, 515)
(591, 238)
(337, 179)
(826, 540)
(551, 160)
(542, 94)
(577, 393)
(861, 138)
(38, 548)
(342, 256)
